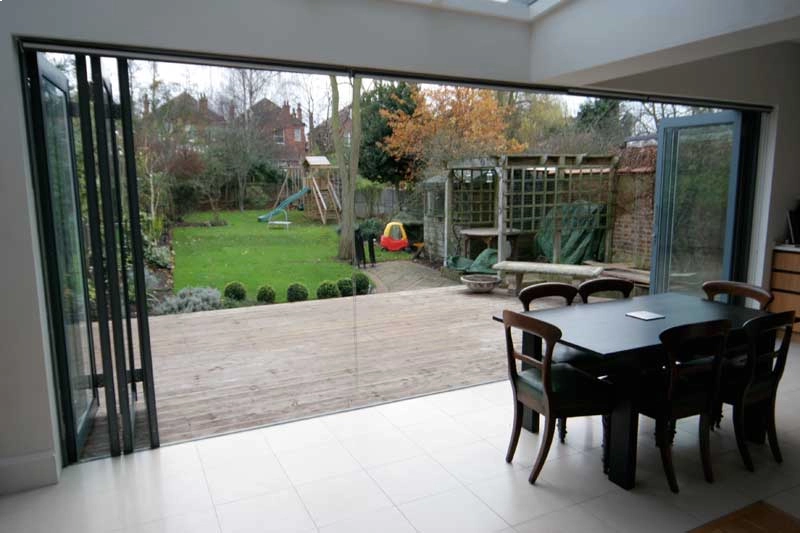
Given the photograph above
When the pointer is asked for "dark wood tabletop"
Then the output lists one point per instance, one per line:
(604, 329)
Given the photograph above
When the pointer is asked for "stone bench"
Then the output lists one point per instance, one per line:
(520, 268)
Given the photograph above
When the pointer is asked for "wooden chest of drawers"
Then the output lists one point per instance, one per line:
(785, 282)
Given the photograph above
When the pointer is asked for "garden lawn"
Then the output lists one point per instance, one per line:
(254, 254)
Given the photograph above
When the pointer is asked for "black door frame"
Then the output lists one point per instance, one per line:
(72, 438)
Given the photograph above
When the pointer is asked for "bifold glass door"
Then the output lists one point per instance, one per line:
(92, 249)
(697, 182)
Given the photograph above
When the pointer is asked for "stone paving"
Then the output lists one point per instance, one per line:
(396, 276)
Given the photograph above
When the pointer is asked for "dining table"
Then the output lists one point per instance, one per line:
(606, 330)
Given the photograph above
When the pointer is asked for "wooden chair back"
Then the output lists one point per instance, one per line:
(695, 350)
(547, 290)
(593, 286)
(761, 351)
(737, 288)
(548, 333)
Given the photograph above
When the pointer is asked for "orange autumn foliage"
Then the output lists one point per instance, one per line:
(449, 123)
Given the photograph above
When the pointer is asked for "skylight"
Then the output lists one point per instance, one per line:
(526, 10)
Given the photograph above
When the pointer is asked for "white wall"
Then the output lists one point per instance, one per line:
(379, 34)
(602, 39)
(768, 75)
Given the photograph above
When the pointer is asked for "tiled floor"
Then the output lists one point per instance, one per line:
(429, 464)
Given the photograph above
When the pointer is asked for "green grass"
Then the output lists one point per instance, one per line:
(248, 251)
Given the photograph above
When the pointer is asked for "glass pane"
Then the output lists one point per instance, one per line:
(702, 168)
(68, 252)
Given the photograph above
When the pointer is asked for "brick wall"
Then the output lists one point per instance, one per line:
(633, 210)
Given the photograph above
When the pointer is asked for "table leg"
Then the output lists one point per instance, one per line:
(531, 345)
(622, 444)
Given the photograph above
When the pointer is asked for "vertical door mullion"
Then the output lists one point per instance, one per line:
(111, 252)
(123, 239)
(138, 251)
(93, 199)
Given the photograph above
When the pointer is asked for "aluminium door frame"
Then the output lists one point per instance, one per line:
(663, 204)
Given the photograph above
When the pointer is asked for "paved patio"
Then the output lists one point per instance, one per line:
(223, 371)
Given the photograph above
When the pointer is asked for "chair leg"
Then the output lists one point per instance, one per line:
(515, 431)
(706, 423)
(741, 437)
(606, 434)
(562, 430)
(664, 443)
(772, 433)
(544, 448)
(717, 416)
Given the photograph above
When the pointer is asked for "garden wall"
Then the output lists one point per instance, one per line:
(633, 209)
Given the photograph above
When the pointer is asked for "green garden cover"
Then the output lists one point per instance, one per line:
(581, 240)
(481, 265)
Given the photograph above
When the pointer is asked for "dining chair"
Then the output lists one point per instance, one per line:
(686, 385)
(561, 354)
(757, 381)
(554, 390)
(737, 288)
(594, 286)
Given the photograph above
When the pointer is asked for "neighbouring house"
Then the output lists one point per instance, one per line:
(321, 136)
(185, 118)
(284, 128)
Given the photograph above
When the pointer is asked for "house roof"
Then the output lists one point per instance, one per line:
(267, 111)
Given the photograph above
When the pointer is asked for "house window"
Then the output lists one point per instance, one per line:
(278, 137)
(298, 135)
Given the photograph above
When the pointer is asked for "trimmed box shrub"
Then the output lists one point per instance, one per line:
(266, 295)
(190, 300)
(296, 292)
(362, 283)
(345, 286)
(327, 289)
(235, 291)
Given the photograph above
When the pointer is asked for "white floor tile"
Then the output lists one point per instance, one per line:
(234, 449)
(388, 520)
(455, 511)
(474, 462)
(412, 479)
(516, 500)
(238, 481)
(570, 520)
(343, 497)
(411, 412)
(357, 422)
(298, 435)
(528, 447)
(491, 421)
(386, 446)
(437, 434)
(276, 512)
(461, 401)
(192, 523)
(788, 500)
(312, 464)
(498, 393)
(636, 511)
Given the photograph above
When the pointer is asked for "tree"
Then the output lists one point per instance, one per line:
(448, 123)
(243, 145)
(606, 120)
(375, 162)
(348, 167)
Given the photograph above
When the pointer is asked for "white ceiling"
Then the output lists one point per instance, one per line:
(520, 10)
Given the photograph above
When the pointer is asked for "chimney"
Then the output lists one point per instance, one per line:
(299, 112)
(146, 102)
(203, 103)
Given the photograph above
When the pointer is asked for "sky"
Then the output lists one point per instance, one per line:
(312, 91)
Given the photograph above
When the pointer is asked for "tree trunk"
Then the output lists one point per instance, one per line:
(349, 176)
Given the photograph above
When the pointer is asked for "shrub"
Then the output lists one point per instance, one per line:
(157, 256)
(371, 228)
(327, 289)
(345, 286)
(266, 295)
(190, 300)
(235, 291)
(296, 292)
(361, 282)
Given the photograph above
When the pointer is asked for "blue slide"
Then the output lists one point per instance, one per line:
(281, 207)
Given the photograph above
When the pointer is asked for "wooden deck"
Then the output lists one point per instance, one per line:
(228, 370)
